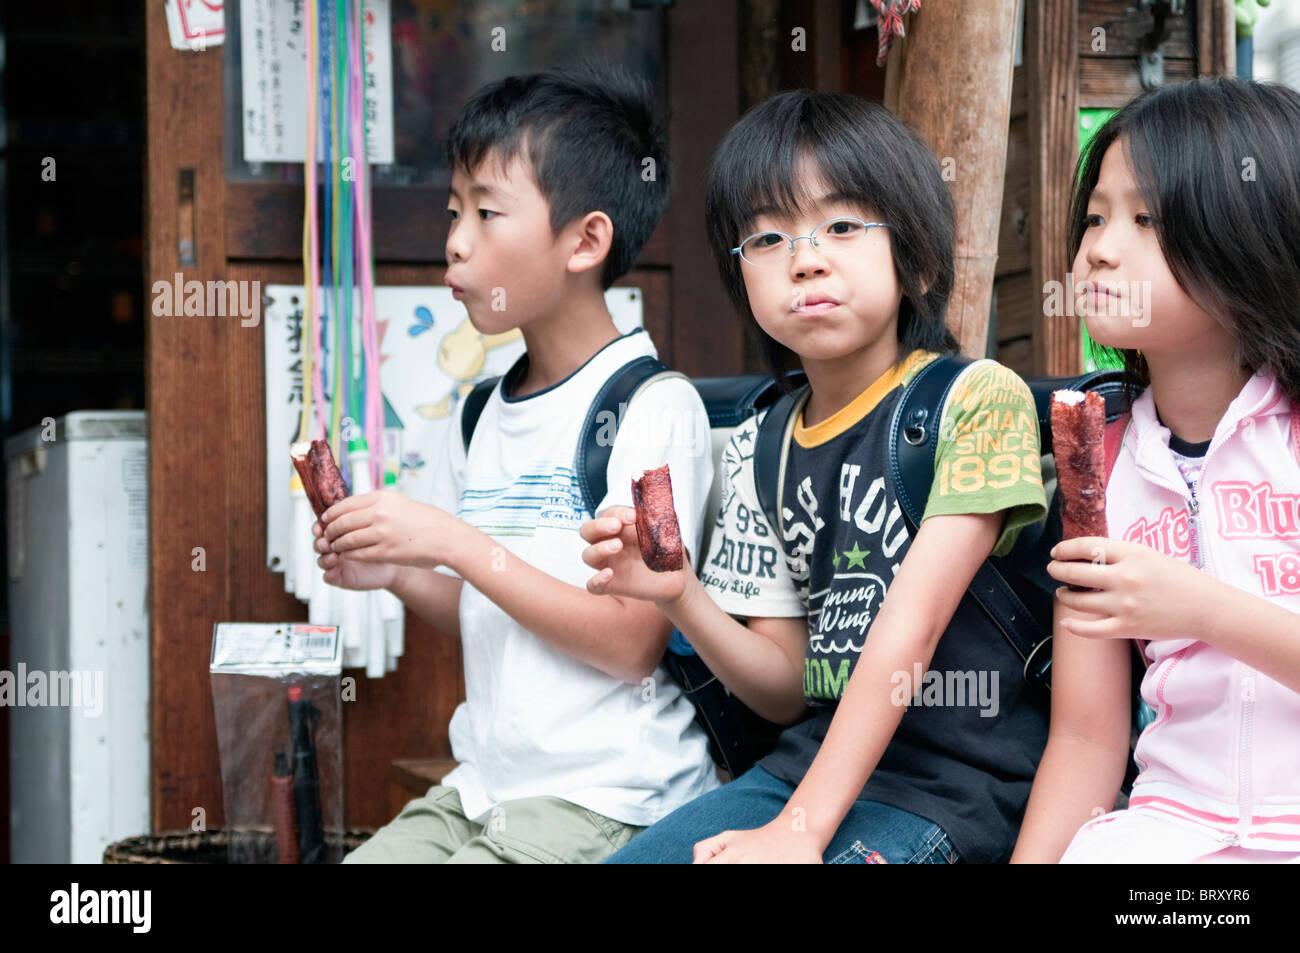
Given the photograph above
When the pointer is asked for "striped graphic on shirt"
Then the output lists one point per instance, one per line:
(544, 497)
(1277, 824)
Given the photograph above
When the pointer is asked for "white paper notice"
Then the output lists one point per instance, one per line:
(273, 53)
(196, 24)
(266, 646)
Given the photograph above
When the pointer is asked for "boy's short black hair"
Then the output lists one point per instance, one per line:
(587, 133)
(863, 151)
(1217, 161)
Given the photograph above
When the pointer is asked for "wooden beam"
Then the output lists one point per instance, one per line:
(190, 438)
(761, 44)
(1216, 38)
(953, 86)
(826, 46)
(1112, 35)
(1107, 84)
(1051, 52)
(704, 92)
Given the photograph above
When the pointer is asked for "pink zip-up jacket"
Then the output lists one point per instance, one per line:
(1224, 750)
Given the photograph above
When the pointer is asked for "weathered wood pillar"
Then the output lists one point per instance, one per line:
(1051, 51)
(191, 442)
(1216, 38)
(951, 81)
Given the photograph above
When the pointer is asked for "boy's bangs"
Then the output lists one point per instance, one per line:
(786, 179)
(763, 182)
(475, 146)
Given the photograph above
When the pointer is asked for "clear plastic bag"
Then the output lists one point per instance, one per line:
(276, 697)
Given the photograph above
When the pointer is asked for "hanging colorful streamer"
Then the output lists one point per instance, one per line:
(339, 341)
(338, 349)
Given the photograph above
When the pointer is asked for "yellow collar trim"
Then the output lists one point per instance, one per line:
(860, 406)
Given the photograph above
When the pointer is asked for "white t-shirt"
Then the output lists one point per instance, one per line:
(537, 721)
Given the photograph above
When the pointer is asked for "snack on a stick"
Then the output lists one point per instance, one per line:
(1078, 442)
(657, 531)
(319, 474)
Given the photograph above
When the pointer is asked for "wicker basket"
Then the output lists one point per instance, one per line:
(213, 847)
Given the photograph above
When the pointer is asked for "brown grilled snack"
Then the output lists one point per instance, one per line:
(319, 473)
(657, 531)
(1078, 443)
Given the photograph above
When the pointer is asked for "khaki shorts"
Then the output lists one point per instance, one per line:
(537, 830)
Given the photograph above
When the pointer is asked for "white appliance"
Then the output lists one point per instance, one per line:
(78, 674)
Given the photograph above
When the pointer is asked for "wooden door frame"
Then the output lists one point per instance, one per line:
(205, 398)
(1052, 43)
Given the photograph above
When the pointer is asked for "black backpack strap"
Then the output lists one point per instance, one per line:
(914, 433)
(770, 451)
(591, 462)
(475, 401)
(913, 442)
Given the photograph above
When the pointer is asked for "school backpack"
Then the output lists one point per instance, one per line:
(1013, 590)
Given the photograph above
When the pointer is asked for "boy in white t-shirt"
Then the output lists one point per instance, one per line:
(572, 738)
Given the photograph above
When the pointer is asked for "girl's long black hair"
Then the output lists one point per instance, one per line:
(1218, 163)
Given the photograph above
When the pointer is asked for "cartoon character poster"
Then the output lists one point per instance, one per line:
(430, 356)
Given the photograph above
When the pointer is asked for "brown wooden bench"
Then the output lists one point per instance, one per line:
(410, 778)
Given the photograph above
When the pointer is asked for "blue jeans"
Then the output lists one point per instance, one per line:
(756, 797)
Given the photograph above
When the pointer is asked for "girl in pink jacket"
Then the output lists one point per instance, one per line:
(1186, 234)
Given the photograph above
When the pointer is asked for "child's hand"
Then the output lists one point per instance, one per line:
(1141, 593)
(774, 843)
(616, 555)
(386, 527)
(349, 574)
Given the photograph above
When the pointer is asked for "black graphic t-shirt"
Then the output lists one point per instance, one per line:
(966, 749)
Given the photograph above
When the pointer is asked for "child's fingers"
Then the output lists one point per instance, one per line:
(328, 561)
(599, 583)
(1087, 547)
(1093, 602)
(369, 554)
(600, 528)
(1107, 628)
(322, 545)
(599, 553)
(1088, 575)
(316, 529)
(346, 505)
(706, 849)
(348, 522)
(357, 539)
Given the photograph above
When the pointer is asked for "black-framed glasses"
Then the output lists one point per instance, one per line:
(833, 236)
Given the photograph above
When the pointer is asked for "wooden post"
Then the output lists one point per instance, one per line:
(703, 58)
(952, 83)
(190, 437)
(1216, 38)
(1051, 51)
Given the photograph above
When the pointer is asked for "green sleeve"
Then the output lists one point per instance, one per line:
(988, 455)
